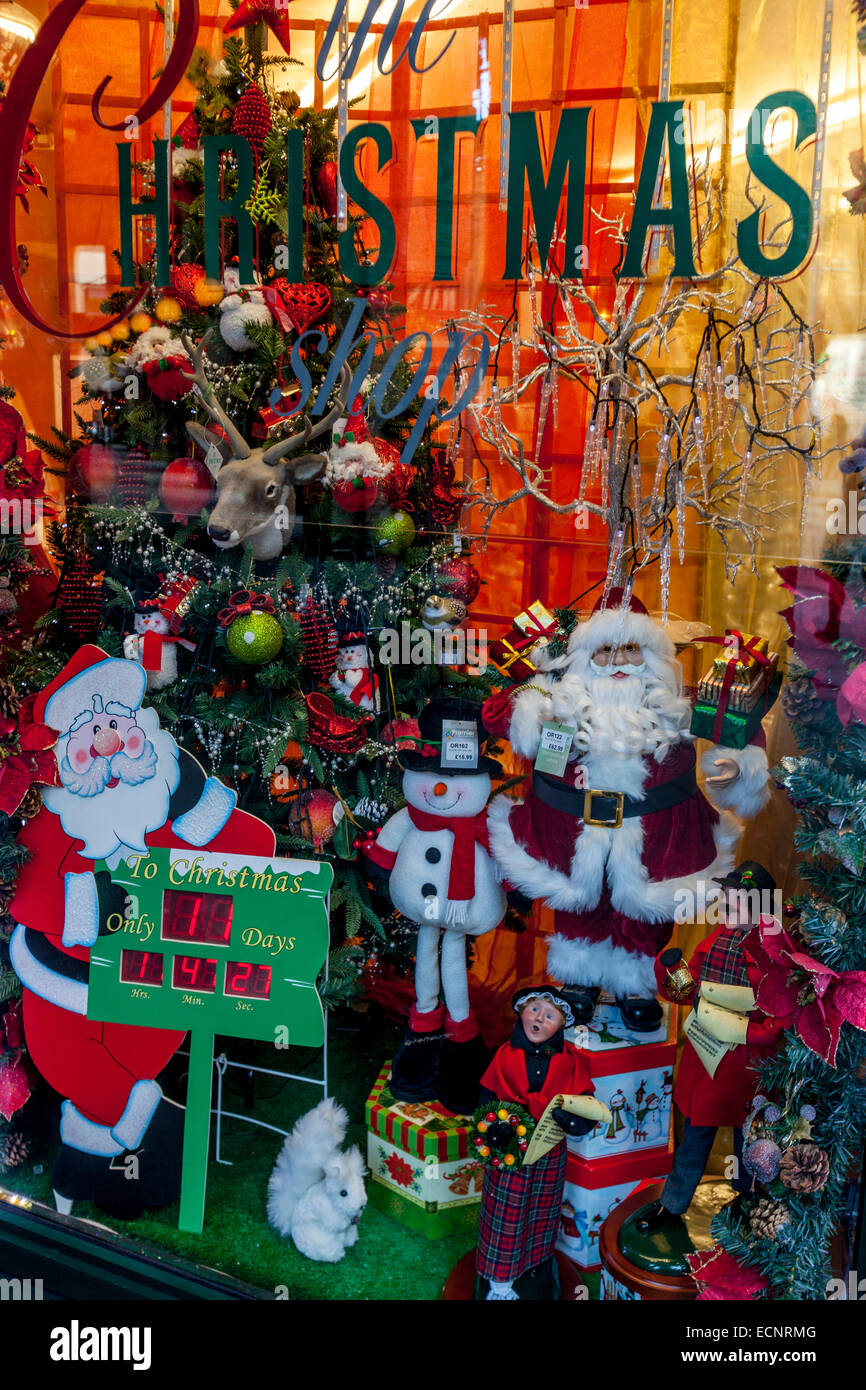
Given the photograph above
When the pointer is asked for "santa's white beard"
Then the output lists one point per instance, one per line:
(101, 770)
(119, 817)
(622, 716)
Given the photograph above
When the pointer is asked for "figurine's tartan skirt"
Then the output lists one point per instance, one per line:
(519, 1219)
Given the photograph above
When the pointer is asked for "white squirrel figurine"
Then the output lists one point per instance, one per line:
(316, 1191)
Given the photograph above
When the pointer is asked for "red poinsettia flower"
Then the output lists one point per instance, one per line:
(400, 1170)
(819, 999)
(721, 1278)
(28, 175)
(21, 469)
(821, 616)
(26, 756)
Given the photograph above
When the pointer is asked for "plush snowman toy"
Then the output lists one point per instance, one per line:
(442, 878)
(352, 677)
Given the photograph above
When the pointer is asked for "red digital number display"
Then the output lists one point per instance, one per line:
(245, 978)
(204, 917)
(141, 967)
(194, 973)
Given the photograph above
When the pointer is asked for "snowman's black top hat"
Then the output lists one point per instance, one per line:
(427, 755)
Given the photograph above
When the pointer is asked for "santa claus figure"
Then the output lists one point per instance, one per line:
(619, 841)
(125, 787)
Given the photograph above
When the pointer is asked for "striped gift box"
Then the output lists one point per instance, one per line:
(426, 1131)
(742, 695)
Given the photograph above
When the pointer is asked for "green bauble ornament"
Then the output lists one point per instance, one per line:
(394, 533)
(254, 638)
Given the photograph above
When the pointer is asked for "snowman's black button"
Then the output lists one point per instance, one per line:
(433, 856)
(428, 891)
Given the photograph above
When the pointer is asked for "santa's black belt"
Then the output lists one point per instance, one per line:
(608, 808)
(47, 954)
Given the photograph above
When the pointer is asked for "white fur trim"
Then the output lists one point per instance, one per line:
(81, 910)
(53, 988)
(355, 459)
(132, 1125)
(531, 708)
(86, 1136)
(582, 962)
(632, 890)
(620, 625)
(202, 822)
(751, 790)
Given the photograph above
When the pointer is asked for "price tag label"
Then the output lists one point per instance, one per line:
(555, 746)
(213, 460)
(459, 744)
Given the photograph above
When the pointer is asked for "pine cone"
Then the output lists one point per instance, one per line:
(10, 700)
(768, 1218)
(804, 1168)
(32, 803)
(799, 700)
(14, 1150)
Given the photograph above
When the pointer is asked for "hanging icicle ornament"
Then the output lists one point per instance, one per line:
(515, 355)
(497, 413)
(604, 464)
(622, 289)
(533, 303)
(663, 297)
(719, 401)
(681, 514)
(658, 489)
(701, 451)
(744, 482)
(613, 561)
(637, 496)
(567, 305)
(586, 467)
(665, 571)
(795, 380)
(542, 411)
(761, 378)
(553, 372)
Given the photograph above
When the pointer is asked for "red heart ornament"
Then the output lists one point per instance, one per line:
(304, 304)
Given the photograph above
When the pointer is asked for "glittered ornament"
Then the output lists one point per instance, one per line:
(761, 1159)
(319, 637)
(139, 322)
(315, 817)
(93, 471)
(459, 578)
(184, 279)
(325, 180)
(274, 13)
(168, 310)
(252, 118)
(394, 533)
(254, 638)
(400, 476)
(134, 476)
(79, 595)
(185, 488)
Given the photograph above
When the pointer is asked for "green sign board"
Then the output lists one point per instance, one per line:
(212, 943)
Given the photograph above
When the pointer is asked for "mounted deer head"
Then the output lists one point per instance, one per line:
(255, 503)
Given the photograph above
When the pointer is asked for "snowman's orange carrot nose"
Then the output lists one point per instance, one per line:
(440, 789)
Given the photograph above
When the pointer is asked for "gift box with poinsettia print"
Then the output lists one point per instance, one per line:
(421, 1171)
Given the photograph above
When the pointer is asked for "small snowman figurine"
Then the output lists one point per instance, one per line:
(442, 878)
(352, 677)
(154, 642)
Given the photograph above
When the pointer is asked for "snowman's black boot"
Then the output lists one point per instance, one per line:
(415, 1068)
(461, 1063)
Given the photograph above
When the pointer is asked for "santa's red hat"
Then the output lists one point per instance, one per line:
(90, 680)
(615, 622)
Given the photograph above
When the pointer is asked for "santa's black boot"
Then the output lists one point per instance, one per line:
(461, 1063)
(126, 1169)
(415, 1068)
(582, 998)
(640, 1015)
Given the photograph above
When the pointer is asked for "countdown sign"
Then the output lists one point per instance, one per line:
(223, 942)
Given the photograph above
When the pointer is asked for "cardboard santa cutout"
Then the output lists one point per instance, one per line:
(125, 786)
(614, 839)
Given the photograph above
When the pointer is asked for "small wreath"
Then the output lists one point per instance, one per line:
(501, 1155)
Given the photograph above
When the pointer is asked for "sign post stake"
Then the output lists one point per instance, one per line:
(196, 1131)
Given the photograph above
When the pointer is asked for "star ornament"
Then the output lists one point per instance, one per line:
(274, 13)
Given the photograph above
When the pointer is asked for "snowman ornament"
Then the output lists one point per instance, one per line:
(352, 677)
(442, 877)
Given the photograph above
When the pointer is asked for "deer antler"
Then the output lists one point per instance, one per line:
(205, 393)
(311, 431)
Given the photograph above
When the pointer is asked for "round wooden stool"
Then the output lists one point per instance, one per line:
(623, 1278)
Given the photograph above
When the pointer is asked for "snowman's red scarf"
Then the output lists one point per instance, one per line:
(467, 831)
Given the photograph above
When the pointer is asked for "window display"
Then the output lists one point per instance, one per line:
(432, 648)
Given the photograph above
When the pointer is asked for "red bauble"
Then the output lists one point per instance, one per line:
(185, 487)
(94, 471)
(312, 817)
(398, 482)
(402, 733)
(459, 578)
(378, 301)
(326, 186)
(252, 118)
(356, 494)
(184, 279)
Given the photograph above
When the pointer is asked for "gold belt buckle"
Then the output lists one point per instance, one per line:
(590, 819)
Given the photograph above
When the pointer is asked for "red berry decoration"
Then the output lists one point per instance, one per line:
(490, 1117)
(459, 578)
(94, 471)
(319, 637)
(185, 487)
(326, 186)
(133, 476)
(79, 595)
(252, 118)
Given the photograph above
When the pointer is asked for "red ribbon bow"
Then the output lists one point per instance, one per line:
(244, 602)
(735, 642)
(26, 758)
